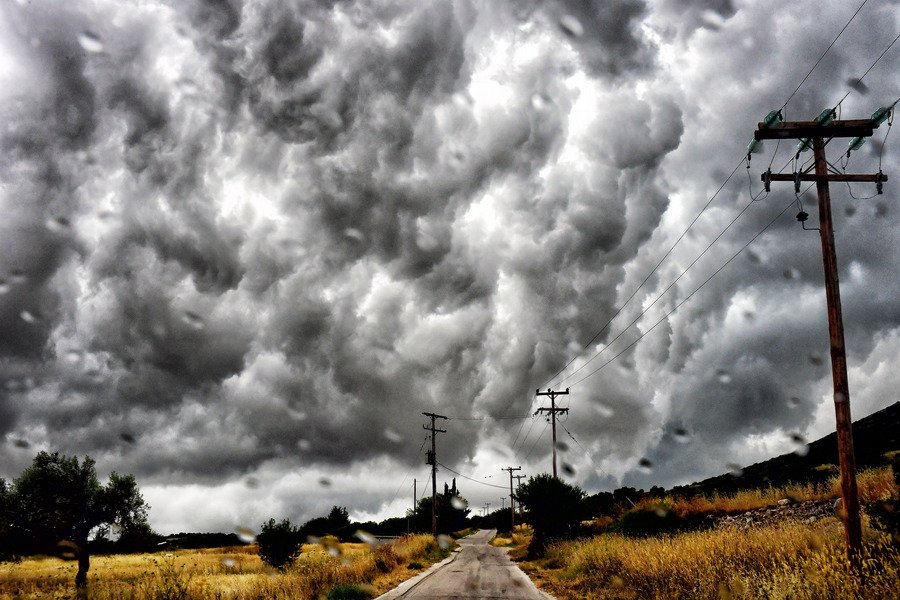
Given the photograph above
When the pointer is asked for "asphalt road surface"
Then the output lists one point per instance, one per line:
(478, 570)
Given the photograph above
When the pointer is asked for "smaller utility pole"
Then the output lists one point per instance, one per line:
(432, 460)
(512, 505)
(519, 479)
(552, 410)
(502, 502)
(414, 505)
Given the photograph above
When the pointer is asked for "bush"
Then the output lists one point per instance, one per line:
(349, 591)
(554, 508)
(279, 543)
(386, 559)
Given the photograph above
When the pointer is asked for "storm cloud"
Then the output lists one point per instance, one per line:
(253, 241)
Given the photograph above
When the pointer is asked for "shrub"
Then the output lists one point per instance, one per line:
(414, 565)
(386, 558)
(279, 543)
(349, 591)
(653, 520)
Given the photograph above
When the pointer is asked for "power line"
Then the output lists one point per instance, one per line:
(470, 478)
(872, 66)
(689, 296)
(650, 274)
(663, 293)
(823, 54)
(534, 445)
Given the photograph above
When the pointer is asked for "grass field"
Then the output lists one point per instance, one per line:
(224, 573)
(787, 560)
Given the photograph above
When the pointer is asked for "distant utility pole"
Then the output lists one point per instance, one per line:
(519, 479)
(414, 505)
(818, 133)
(552, 410)
(512, 505)
(502, 502)
(432, 460)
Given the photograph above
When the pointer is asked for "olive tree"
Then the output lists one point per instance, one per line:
(58, 501)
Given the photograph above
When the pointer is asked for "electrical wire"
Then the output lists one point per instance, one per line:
(663, 293)
(534, 445)
(650, 274)
(872, 66)
(586, 453)
(405, 477)
(689, 296)
(823, 54)
(472, 479)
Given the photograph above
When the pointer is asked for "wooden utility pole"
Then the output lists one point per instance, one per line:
(819, 134)
(552, 410)
(432, 460)
(512, 504)
(519, 479)
(414, 505)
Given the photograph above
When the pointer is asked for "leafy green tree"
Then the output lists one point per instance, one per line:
(279, 543)
(338, 518)
(552, 507)
(58, 501)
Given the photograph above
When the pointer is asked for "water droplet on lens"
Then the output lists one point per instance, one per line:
(458, 503)
(74, 356)
(735, 469)
(568, 469)
(881, 209)
(333, 550)
(444, 541)
(645, 465)
(4, 286)
(193, 320)
(791, 273)
(28, 317)
(126, 437)
(228, 563)
(392, 436)
(304, 445)
(245, 534)
(723, 376)
(366, 537)
(562, 446)
(325, 482)
(19, 443)
(571, 26)
(681, 435)
(749, 315)
(857, 85)
(794, 402)
(839, 397)
(541, 101)
(801, 448)
(753, 257)
(603, 410)
(90, 41)
(849, 210)
(816, 359)
(354, 234)
(58, 224)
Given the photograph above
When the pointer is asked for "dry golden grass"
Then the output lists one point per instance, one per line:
(788, 561)
(234, 573)
(874, 485)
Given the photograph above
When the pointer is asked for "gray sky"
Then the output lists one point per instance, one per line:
(246, 244)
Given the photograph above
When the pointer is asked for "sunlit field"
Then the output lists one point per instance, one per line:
(234, 572)
(789, 559)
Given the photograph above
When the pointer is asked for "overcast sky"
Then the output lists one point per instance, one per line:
(246, 243)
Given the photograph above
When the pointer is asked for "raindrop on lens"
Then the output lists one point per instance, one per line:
(749, 315)
(562, 446)
(541, 101)
(245, 534)
(366, 537)
(325, 482)
(794, 402)
(801, 448)
(857, 85)
(571, 26)
(753, 257)
(90, 41)
(723, 376)
(735, 469)
(19, 443)
(193, 320)
(839, 397)
(603, 410)
(228, 563)
(791, 273)
(568, 469)
(881, 209)
(126, 437)
(458, 503)
(4, 286)
(354, 234)
(816, 359)
(645, 465)
(74, 356)
(304, 445)
(28, 317)
(444, 541)
(392, 436)
(59, 224)
(252, 483)
(849, 210)
(681, 435)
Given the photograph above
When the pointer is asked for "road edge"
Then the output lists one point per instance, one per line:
(410, 583)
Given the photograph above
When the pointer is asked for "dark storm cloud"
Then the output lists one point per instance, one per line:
(261, 237)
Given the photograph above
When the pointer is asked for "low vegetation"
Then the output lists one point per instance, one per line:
(341, 571)
(788, 559)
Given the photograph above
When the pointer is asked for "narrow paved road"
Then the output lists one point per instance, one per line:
(478, 570)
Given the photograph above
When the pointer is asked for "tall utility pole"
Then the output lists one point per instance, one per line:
(432, 460)
(552, 410)
(512, 505)
(819, 133)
